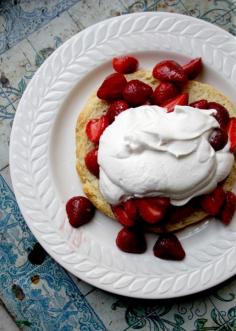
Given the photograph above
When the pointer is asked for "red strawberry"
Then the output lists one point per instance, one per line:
(152, 210)
(177, 214)
(131, 241)
(193, 68)
(112, 87)
(130, 208)
(169, 71)
(116, 108)
(95, 128)
(122, 216)
(163, 92)
(181, 100)
(79, 211)
(232, 134)
(211, 203)
(91, 162)
(125, 64)
(201, 104)
(168, 247)
(136, 93)
(228, 208)
(218, 139)
(222, 115)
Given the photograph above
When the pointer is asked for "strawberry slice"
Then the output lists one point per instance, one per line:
(136, 93)
(91, 162)
(95, 128)
(212, 203)
(232, 134)
(112, 87)
(116, 108)
(222, 115)
(193, 68)
(125, 216)
(169, 71)
(163, 92)
(131, 241)
(228, 208)
(79, 211)
(130, 208)
(200, 104)
(152, 210)
(125, 64)
(181, 100)
(168, 247)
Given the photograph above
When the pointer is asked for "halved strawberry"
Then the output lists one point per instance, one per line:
(228, 209)
(168, 247)
(211, 203)
(152, 210)
(201, 104)
(95, 128)
(222, 114)
(112, 87)
(130, 208)
(131, 241)
(163, 92)
(125, 64)
(193, 68)
(91, 162)
(136, 93)
(169, 71)
(232, 134)
(181, 100)
(116, 108)
(125, 218)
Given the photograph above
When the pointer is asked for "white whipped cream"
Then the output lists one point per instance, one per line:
(149, 152)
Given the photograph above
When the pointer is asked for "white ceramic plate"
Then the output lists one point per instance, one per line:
(42, 155)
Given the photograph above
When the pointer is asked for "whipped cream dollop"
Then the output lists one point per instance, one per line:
(149, 152)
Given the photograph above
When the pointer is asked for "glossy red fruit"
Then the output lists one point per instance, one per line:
(218, 139)
(201, 104)
(130, 208)
(116, 108)
(169, 71)
(212, 203)
(91, 162)
(152, 210)
(125, 64)
(193, 68)
(131, 241)
(122, 216)
(228, 208)
(181, 100)
(79, 211)
(163, 92)
(95, 128)
(112, 87)
(232, 134)
(168, 247)
(136, 93)
(222, 115)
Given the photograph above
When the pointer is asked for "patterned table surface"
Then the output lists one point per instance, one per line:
(37, 292)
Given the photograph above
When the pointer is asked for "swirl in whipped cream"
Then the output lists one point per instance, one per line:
(149, 152)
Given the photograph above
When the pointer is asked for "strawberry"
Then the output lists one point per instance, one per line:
(122, 216)
(116, 108)
(169, 71)
(95, 128)
(211, 203)
(131, 241)
(228, 209)
(136, 93)
(168, 247)
(152, 210)
(200, 104)
(222, 115)
(163, 92)
(112, 87)
(91, 162)
(232, 134)
(125, 64)
(130, 208)
(193, 68)
(177, 214)
(79, 211)
(181, 99)
(218, 139)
